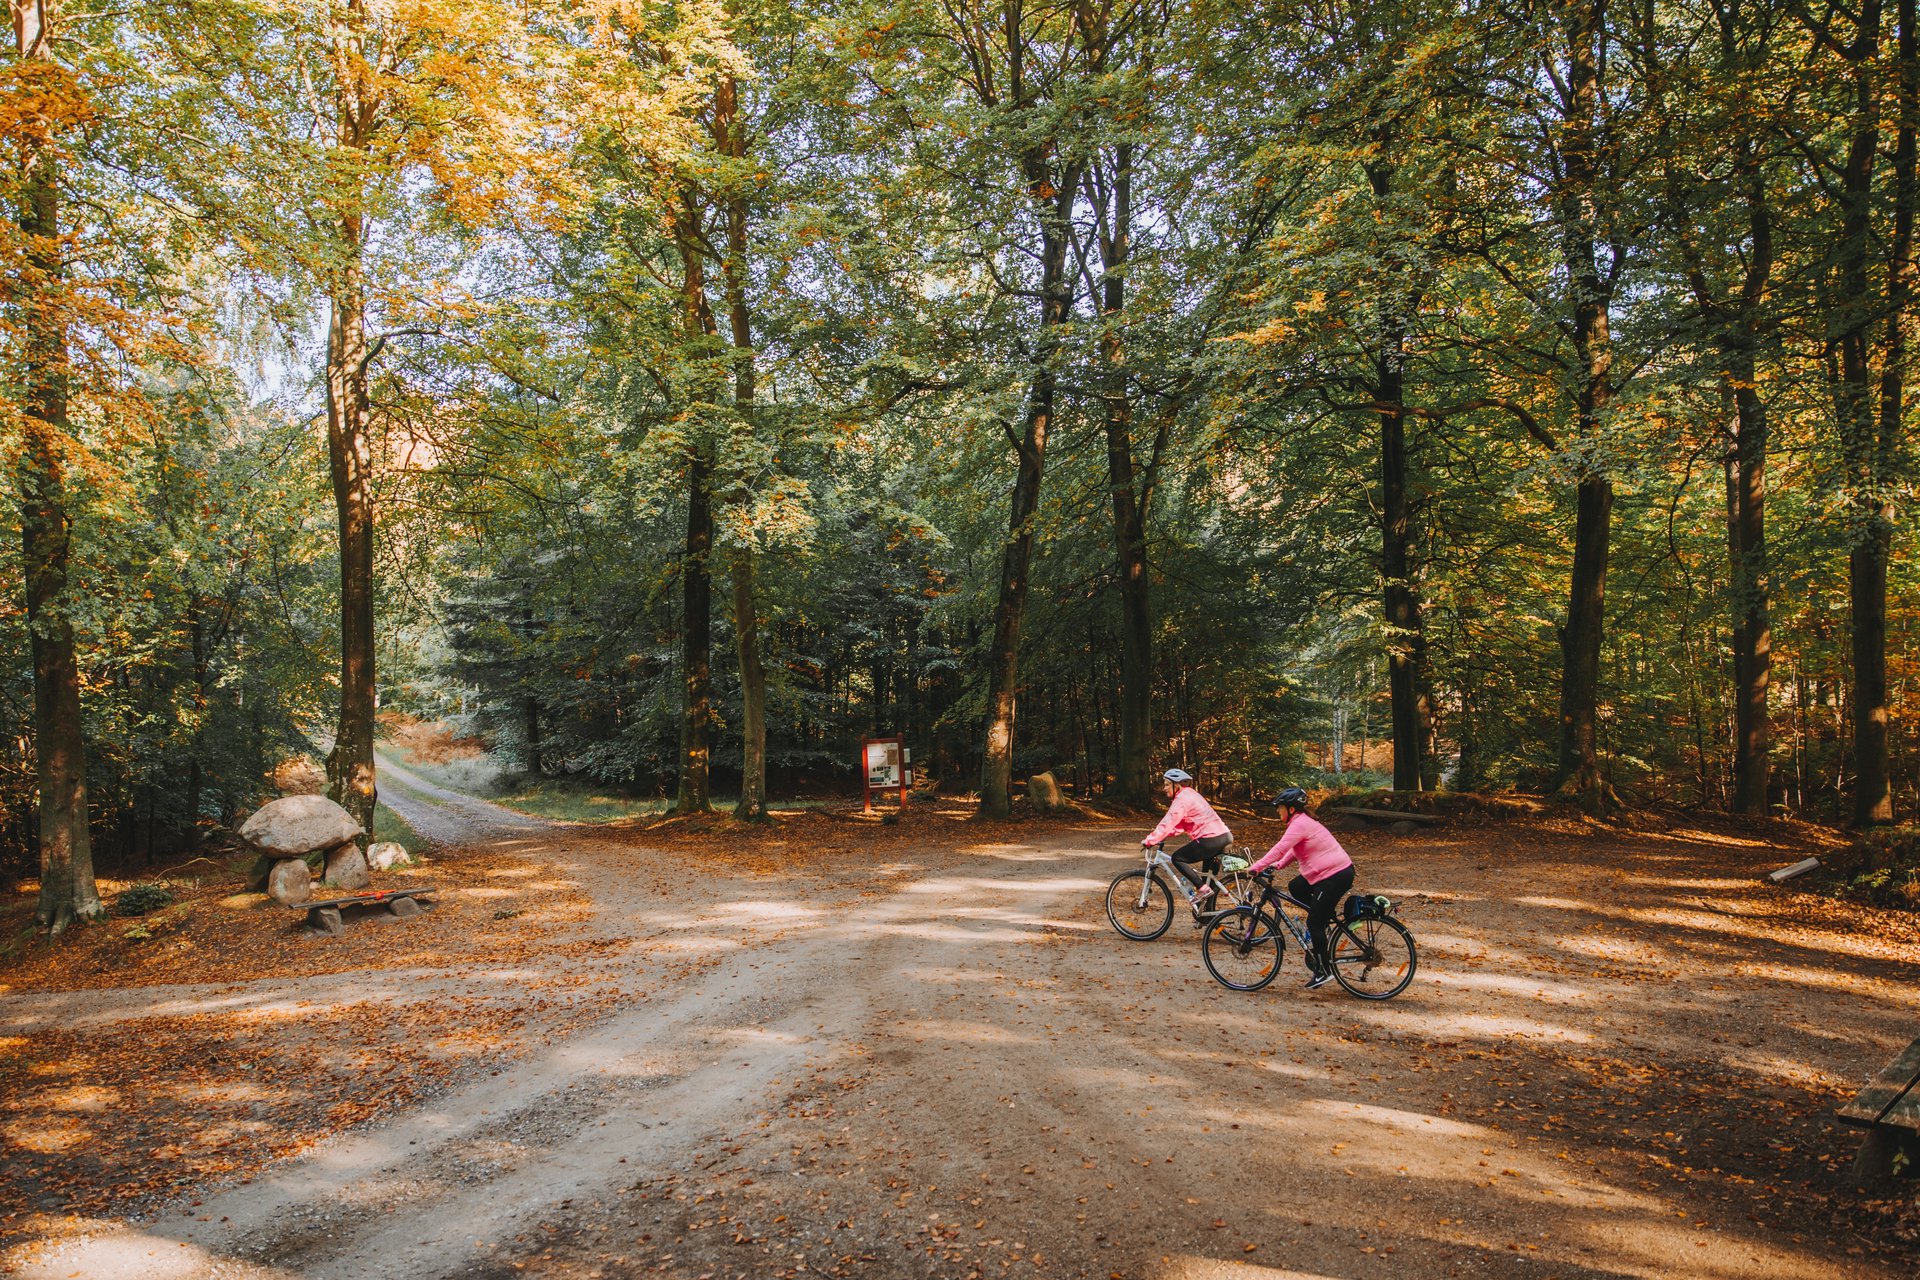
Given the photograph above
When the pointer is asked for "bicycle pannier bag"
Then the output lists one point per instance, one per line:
(1367, 906)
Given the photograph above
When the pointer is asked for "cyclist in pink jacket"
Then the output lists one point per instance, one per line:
(1189, 814)
(1326, 872)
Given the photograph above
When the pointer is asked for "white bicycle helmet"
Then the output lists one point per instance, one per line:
(1178, 777)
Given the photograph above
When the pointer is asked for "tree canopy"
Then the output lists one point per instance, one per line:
(1435, 396)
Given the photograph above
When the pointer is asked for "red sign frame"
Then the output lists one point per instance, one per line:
(904, 757)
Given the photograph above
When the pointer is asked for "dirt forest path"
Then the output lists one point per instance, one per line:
(444, 817)
(1620, 1058)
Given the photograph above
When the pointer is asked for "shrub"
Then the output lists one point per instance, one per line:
(1884, 865)
(138, 899)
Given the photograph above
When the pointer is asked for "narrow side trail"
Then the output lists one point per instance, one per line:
(1620, 1059)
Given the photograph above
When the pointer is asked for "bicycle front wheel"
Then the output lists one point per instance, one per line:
(1373, 959)
(1242, 949)
(1139, 905)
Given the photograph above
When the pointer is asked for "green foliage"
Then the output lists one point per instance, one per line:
(388, 825)
(1883, 865)
(589, 274)
(139, 899)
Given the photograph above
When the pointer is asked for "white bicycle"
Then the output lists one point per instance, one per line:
(1140, 905)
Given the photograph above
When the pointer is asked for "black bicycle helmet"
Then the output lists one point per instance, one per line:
(1291, 798)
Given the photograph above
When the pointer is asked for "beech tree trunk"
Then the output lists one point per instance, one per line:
(350, 770)
(1867, 565)
(752, 805)
(1590, 289)
(1131, 494)
(350, 767)
(696, 642)
(696, 570)
(1752, 629)
(67, 889)
(1870, 440)
(1003, 658)
(1411, 702)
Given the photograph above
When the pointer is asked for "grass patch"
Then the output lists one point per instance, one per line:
(388, 825)
(568, 801)
(573, 800)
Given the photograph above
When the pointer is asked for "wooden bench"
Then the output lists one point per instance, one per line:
(1888, 1108)
(323, 914)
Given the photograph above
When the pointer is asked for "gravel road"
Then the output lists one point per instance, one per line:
(949, 1065)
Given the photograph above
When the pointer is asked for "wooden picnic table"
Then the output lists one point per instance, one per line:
(323, 914)
(1888, 1108)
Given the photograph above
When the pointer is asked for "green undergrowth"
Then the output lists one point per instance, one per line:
(577, 800)
(1882, 866)
(567, 800)
(388, 825)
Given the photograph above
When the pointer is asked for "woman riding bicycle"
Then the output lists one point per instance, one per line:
(1326, 872)
(1191, 815)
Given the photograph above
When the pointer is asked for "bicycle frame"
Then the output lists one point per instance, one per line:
(1280, 899)
(1158, 859)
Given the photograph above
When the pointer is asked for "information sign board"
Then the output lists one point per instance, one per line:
(885, 765)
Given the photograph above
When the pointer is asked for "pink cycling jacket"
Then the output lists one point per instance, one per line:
(1191, 814)
(1311, 845)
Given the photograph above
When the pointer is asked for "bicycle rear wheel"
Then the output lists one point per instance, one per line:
(1373, 958)
(1139, 905)
(1242, 949)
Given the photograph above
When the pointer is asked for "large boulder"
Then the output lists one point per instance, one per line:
(1044, 794)
(290, 883)
(294, 826)
(347, 867)
(385, 855)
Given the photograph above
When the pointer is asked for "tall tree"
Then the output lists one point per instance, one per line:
(1593, 269)
(44, 305)
(345, 120)
(1719, 208)
(730, 129)
(1870, 292)
(696, 568)
(1013, 63)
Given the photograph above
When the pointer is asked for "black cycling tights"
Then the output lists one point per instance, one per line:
(1205, 852)
(1322, 901)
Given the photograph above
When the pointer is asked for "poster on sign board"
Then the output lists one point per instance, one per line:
(883, 765)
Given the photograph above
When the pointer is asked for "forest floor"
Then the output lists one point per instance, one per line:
(842, 1047)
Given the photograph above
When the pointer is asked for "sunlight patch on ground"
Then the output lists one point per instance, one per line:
(1191, 1266)
(1658, 1247)
(86, 1098)
(1065, 884)
(787, 912)
(1555, 904)
(1718, 884)
(132, 1255)
(1708, 837)
(1496, 1028)
(1411, 1121)
(1873, 947)
(963, 1032)
(976, 929)
(47, 1137)
(1617, 950)
(1019, 853)
(1522, 985)
(1772, 1066)
(1884, 988)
